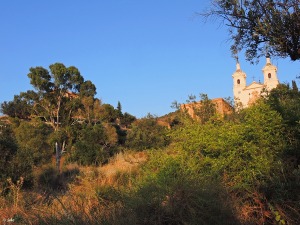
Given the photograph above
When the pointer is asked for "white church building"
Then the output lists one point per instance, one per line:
(245, 95)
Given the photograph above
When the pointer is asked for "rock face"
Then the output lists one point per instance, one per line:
(222, 107)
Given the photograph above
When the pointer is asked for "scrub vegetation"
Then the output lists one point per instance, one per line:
(68, 158)
(243, 168)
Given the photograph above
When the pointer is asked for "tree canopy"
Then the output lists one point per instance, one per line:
(146, 133)
(258, 24)
(53, 87)
(59, 93)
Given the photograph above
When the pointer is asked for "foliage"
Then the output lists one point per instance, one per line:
(60, 92)
(90, 111)
(170, 191)
(95, 145)
(286, 101)
(52, 88)
(88, 106)
(119, 109)
(146, 133)
(254, 23)
(87, 89)
(62, 109)
(127, 119)
(14, 162)
(244, 151)
(220, 172)
(108, 113)
(19, 107)
(243, 154)
(256, 157)
(242, 169)
(204, 109)
(8, 150)
(32, 138)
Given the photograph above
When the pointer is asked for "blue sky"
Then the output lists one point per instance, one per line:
(143, 53)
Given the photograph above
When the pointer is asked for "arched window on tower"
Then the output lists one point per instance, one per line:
(238, 81)
(269, 75)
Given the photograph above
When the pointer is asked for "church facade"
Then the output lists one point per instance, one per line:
(245, 95)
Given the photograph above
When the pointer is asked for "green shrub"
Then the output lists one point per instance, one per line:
(170, 192)
(32, 138)
(146, 133)
(96, 143)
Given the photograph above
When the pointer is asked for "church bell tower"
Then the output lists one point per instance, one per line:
(239, 82)
(270, 74)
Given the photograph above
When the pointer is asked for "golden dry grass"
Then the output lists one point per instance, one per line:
(82, 197)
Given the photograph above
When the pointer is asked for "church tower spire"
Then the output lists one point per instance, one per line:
(270, 74)
(239, 82)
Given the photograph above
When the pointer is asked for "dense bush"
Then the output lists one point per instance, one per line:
(95, 145)
(146, 133)
(32, 138)
(246, 156)
(243, 169)
(14, 162)
(286, 101)
(8, 150)
(172, 192)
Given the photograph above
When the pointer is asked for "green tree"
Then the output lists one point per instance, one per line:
(206, 110)
(119, 109)
(21, 106)
(88, 89)
(32, 138)
(94, 145)
(127, 119)
(87, 93)
(52, 87)
(294, 86)
(146, 133)
(254, 23)
(108, 113)
(60, 92)
(286, 101)
(8, 150)
(88, 105)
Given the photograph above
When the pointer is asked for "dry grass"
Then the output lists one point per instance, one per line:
(123, 163)
(82, 203)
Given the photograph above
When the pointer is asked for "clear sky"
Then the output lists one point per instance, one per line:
(143, 53)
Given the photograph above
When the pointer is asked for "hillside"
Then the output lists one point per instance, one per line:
(237, 169)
